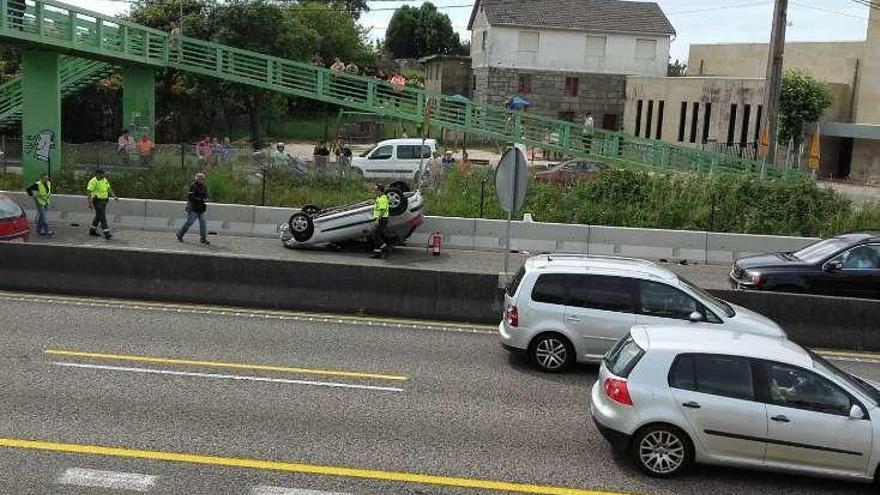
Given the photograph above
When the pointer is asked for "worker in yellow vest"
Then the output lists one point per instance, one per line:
(41, 191)
(99, 193)
(380, 217)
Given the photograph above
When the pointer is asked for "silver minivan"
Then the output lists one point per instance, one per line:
(562, 309)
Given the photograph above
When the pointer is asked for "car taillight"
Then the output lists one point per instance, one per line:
(617, 390)
(512, 316)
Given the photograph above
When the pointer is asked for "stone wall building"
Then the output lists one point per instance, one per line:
(568, 58)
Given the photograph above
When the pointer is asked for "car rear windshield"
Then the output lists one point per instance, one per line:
(718, 304)
(517, 279)
(623, 357)
(821, 250)
(8, 209)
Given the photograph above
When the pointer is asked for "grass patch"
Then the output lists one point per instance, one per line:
(623, 198)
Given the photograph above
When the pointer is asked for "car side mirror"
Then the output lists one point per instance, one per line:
(833, 266)
(856, 413)
(696, 317)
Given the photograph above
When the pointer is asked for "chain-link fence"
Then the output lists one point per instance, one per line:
(10, 153)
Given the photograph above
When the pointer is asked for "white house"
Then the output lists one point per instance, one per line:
(569, 57)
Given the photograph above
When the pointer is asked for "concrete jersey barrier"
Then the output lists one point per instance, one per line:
(814, 321)
(463, 233)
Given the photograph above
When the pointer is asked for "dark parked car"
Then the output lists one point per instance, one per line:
(567, 173)
(846, 265)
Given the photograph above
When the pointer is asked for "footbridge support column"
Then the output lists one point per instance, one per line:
(139, 101)
(41, 114)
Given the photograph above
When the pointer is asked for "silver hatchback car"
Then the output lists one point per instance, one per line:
(671, 396)
(562, 309)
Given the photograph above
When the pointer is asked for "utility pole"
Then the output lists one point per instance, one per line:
(774, 76)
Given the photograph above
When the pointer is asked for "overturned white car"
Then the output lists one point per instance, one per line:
(312, 226)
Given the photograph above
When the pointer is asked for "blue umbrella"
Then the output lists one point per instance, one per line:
(517, 103)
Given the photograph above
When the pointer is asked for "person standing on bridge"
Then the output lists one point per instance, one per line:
(195, 209)
(99, 193)
(41, 191)
(380, 217)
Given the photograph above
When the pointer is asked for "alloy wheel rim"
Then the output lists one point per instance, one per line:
(551, 353)
(394, 200)
(662, 452)
(300, 224)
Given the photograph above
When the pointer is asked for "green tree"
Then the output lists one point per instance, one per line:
(354, 7)
(804, 99)
(418, 32)
(336, 35)
(677, 69)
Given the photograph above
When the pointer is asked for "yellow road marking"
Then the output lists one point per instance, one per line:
(221, 364)
(208, 308)
(291, 467)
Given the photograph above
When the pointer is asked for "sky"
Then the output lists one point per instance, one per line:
(706, 21)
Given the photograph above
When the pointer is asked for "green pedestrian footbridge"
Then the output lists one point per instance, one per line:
(66, 47)
(75, 74)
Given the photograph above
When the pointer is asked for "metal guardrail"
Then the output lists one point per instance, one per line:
(89, 34)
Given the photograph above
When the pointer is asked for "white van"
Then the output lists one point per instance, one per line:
(395, 159)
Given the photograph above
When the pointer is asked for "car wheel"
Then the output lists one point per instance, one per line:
(551, 352)
(311, 210)
(662, 451)
(301, 226)
(397, 201)
(403, 186)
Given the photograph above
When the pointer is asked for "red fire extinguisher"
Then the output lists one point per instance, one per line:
(435, 242)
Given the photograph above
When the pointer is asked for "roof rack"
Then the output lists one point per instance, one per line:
(551, 256)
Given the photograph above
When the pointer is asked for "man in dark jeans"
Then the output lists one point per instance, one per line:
(15, 11)
(99, 193)
(195, 209)
(380, 216)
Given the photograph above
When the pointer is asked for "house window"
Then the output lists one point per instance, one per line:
(695, 116)
(649, 119)
(474, 84)
(682, 121)
(661, 106)
(596, 46)
(571, 86)
(639, 105)
(525, 84)
(707, 119)
(646, 49)
(529, 41)
(731, 125)
(758, 123)
(483, 37)
(744, 132)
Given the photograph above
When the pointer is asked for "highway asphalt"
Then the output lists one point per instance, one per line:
(708, 276)
(104, 397)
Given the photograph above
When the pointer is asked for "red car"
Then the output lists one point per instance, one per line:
(567, 173)
(13, 221)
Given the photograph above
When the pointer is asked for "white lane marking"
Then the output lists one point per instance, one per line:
(228, 377)
(851, 359)
(107, 479)
(277, 490)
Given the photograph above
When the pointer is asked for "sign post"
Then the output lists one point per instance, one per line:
(511, 183)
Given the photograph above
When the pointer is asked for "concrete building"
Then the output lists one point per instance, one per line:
(717, 113)
(566, 57)
(850, 129)
(448, 74)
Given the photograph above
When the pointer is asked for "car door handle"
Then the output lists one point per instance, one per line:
(781, 419)
(572, 318)
(691, 405)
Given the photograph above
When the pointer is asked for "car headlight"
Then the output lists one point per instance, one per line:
(754, 278)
